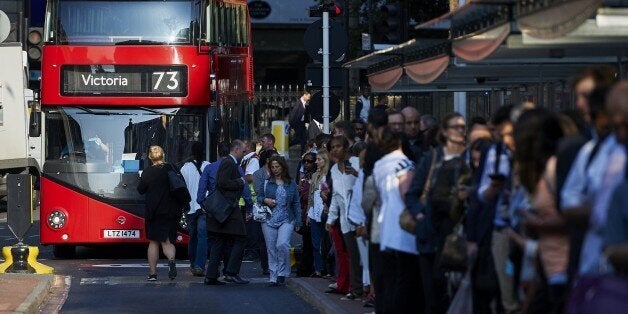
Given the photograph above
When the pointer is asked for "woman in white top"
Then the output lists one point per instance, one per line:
(197, 227)
(343, 175)
(319, 193)
(400, 268)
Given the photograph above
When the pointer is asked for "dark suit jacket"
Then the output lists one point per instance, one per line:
(297, 113)
(230, 185)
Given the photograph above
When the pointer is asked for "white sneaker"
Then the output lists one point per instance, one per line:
(333, 285)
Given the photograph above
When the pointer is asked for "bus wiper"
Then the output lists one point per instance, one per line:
(140, 42)
(99, 113)
(158, 112)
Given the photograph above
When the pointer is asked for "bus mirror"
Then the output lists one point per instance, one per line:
(34, 125)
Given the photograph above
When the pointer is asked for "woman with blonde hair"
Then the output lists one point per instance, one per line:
(317, 205)
(162, 212)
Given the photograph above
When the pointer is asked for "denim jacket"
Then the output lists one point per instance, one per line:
(294, 204)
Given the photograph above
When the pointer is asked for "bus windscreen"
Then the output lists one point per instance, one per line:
(122, 22)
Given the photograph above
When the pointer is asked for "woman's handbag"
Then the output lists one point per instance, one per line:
(406, 220)
(178, 188)
(261, 212)
(454, 256)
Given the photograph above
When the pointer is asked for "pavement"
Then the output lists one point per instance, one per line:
(26, 293)
(23, 293)
(312, 290)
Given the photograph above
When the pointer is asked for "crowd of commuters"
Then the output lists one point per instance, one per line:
(520, 213)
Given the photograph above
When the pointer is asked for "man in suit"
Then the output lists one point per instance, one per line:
(230, 182)
(297, 119)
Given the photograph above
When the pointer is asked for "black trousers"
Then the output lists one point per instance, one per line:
(218, 241)
(377, 278)
(355, 269)
(434, 284)
(301, 136)
(402, 283)
(306, 264)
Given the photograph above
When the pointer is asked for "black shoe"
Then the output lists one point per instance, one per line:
(265, 272)
(172, 270)
(235, 279)
(152, 277)
(281, 280)
(273, 284)
(197, 272)
(213, 282)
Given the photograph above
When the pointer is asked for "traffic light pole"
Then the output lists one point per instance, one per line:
(325, 71)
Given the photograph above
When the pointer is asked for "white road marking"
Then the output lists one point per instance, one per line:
(143, 265)
(122, 280)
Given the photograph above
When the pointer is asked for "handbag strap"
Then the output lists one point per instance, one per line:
(265, 184)
(426, 187)
(198, 165)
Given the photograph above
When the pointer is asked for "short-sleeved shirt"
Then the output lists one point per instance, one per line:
(192, 178)
(387, 172)
(250, 163)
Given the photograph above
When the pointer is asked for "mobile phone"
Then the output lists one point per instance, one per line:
(347, 164)
(497, 176)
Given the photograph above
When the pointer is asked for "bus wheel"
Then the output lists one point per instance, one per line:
(64, 251)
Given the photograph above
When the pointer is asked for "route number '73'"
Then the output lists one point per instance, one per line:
(173, 82)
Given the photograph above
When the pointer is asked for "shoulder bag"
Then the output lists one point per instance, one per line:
(178, 188)
(261, 212)
(406, 219)
(217, 206)
(454, 255)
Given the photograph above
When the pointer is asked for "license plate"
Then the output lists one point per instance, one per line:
(121, 234)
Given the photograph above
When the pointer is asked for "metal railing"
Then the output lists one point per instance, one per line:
(272, 102)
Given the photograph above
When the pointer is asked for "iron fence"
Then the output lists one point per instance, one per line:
(272, 102)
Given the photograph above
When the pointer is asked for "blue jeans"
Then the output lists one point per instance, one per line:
(197, 248)
(278, 247)
(317, 238)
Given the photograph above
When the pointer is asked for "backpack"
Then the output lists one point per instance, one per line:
(245, 162)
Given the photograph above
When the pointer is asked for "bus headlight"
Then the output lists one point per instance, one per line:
(57, 219)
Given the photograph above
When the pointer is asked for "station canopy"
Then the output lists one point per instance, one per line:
(491, 44)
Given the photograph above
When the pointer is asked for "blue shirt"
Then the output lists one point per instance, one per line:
(612, 176)
(503, 199)
(291, 199)
(280, 214)
(585, 176)
(207, 184)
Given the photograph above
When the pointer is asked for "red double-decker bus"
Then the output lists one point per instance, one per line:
(118, 77)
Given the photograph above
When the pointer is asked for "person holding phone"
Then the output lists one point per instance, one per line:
(344, 174)
(494, 193)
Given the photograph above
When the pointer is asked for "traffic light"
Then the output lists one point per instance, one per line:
(333, 9)
(391, 23)
(34, 50)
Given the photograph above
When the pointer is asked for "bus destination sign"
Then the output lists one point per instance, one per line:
(124, 80)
